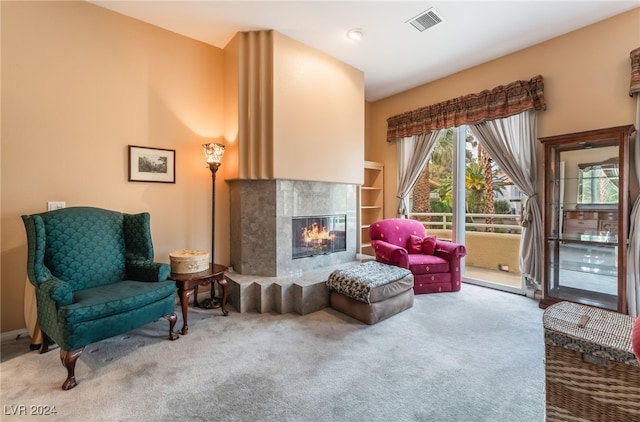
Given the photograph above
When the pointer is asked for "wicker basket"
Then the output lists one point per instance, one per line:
(591, 372)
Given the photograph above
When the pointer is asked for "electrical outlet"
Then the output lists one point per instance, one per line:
(55, 205)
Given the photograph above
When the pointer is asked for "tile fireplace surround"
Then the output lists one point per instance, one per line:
(260, 217)
(265, 277)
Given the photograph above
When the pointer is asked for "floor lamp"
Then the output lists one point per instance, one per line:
(213, 154)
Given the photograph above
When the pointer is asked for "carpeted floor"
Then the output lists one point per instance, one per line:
(475, 355)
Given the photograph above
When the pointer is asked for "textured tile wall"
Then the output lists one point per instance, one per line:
(261, 212)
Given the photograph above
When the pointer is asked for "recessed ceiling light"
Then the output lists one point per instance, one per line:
(355, 34)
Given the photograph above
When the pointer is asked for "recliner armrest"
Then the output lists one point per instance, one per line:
(450, 250)
(59, 291)
(389, 253)
(143, 270)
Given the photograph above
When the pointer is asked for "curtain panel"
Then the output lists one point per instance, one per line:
(500, 102)
(511, 142)
(633, 250)
(634, 86)
(414, 155)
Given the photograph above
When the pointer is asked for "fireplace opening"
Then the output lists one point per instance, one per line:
(318, 235)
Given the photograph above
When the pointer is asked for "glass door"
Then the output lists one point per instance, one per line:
(582, 245)
(487, 218)
(463, 196)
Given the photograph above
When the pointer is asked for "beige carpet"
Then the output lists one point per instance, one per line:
(475, 355)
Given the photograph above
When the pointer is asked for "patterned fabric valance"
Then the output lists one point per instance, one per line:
(500, 102)
(635, 72)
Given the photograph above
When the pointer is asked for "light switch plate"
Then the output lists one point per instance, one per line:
(55, 205)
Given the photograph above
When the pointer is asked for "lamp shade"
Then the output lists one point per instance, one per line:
(213, 153)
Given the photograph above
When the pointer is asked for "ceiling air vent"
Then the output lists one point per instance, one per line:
(426, 20)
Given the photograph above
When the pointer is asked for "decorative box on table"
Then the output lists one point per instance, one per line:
(189, 261)
(591, 372)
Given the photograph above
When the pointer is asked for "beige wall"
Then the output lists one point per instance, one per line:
(79, 84)
(318, 120)
(300, 112)
(231, 110)
(586, 77)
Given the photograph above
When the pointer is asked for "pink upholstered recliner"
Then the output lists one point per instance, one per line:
(434, 263)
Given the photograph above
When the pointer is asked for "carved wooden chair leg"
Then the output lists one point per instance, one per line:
(173, 318)
(46, 342)
(69, 358)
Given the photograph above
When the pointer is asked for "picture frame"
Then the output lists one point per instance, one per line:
(152, 164)
(608, 226)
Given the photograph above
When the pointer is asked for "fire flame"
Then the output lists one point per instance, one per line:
(314, 233)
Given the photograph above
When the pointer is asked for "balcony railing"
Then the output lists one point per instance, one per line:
(492, 255)
(506, 223)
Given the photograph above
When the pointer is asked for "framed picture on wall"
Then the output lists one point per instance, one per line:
(608, 226)
(152, 164)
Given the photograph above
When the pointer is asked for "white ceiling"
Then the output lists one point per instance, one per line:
(393, 55)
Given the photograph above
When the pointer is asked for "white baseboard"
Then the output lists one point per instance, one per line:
(13, 335)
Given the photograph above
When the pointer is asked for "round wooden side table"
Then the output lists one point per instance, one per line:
(188, 284)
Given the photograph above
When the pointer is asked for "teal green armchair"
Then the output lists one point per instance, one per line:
(94, 278)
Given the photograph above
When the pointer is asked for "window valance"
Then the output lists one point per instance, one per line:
(500, 102)
(635, 72)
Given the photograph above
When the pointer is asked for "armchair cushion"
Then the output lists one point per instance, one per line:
(418, 245)
(427, 264)
(103, 301)
(429, 245)
(414, 245)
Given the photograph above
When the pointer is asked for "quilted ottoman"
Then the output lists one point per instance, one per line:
(371, 292)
